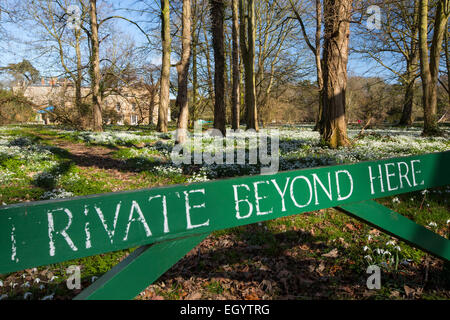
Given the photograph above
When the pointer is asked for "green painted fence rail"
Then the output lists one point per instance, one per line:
(176, 218)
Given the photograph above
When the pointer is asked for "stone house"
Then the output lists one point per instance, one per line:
(130, 106)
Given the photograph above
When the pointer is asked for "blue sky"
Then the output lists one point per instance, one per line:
(16, 52)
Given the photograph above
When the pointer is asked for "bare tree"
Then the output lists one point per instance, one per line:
(429, 61)
(337, 15)
(236, 94)
(95, 68)
(315, 48)
(247, 42)
(183, 74)
(217, 21)
(165, 68)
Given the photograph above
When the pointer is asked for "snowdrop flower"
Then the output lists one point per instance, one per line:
(432, 224)
(1, 283)
(379, 251)
(369, 237)
(368, 258)
(37, 280)
(390, 243)
(49, 297)
(53, 278)
(26, 285)
(387, 252)
(424, 192)
(93, 279)
(396, 200)
(3, 296)
(397, 248)
(13, 285)
(26, 295)
(365, 248)
(448, 221)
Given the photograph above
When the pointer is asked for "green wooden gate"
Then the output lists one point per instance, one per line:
(168, 222)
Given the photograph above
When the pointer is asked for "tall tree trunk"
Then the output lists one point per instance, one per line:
(430, 65)
(78, 81)
(195, 43)
(183, 74)
(337, 15)
(79, 69)
(318, 60)
(247, 41)
(447, 63)
(235, 96)
(95, 68)
(152, 89)
(217, 20)
(408, 102)
(164, 99)
(411, 71)
(208, 66)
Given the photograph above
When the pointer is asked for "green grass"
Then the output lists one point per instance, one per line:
(304, 237)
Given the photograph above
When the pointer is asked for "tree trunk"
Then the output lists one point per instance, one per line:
(195, 43)
(183, 74)
(95, 68)
(319, 126)
(217, 20)
(247, 35)
(430, 65)
(235, 96)
(447, 63)
(164, 99)
(406, 119)
(335, 55)
(78, 81)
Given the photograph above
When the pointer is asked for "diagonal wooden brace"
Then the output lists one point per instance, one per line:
(140, 269)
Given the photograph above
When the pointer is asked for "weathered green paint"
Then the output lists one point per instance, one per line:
(400, 227)
(140, 269)
(34, 234)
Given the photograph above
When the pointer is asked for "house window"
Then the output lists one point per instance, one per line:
(134, 119)
(133, 107)
(118, 107)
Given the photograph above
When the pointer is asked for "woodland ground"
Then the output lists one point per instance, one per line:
(318, 255)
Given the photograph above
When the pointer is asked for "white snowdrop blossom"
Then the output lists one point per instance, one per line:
(49, 297)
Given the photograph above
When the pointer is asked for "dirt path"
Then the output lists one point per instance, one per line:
(96, 158)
